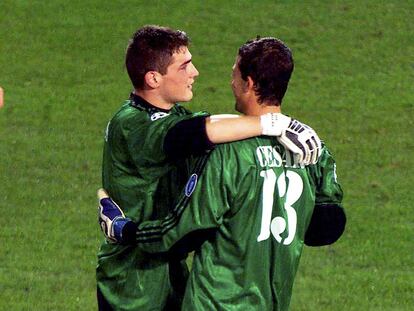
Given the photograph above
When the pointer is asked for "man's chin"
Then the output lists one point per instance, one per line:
(187, 98)
(237, 108)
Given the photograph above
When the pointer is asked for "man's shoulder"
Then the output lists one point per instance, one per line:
(126, 112)
(245, 144)
(129, 116)
(241, 151)
(180, 109)
(252, 151)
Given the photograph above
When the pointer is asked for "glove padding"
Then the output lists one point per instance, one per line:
(303, 141)
(111, 218)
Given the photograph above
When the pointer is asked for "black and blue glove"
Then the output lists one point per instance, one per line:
(112, 219)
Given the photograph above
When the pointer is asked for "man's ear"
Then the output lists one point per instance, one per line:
(249, 84)
(153, 79)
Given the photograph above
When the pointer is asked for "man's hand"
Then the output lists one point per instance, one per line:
(111, 218)
(303, 141)
(295, 136)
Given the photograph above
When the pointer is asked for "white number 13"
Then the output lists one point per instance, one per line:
(278, 225)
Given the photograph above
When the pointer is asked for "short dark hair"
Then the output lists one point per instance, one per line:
(151, 48)
(269, 62)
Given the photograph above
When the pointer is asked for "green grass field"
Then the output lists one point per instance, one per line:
(61, 65)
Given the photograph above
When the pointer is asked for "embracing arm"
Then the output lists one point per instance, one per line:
(182, 230)
(196, 135)
(224, 128)
(197, 212)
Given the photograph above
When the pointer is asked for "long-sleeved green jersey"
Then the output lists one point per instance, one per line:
(258, 203)
(140, 177)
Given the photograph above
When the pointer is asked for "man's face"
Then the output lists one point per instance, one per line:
(177, 83)
(238, 85)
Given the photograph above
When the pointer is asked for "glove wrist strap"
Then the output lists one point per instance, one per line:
(118, 225)
(273, 124)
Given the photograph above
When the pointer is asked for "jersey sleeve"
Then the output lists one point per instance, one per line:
(328, 189)
(200, 208)
(328, 219)
(145, 141)
(188, 137)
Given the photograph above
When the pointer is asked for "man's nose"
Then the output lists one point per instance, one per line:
(195, 72)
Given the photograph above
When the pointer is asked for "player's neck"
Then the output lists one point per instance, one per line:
(154, 99)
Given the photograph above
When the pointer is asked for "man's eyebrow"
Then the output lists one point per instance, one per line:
(186, 62)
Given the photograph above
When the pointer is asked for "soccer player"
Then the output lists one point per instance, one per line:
(253, 205)
(149, 145)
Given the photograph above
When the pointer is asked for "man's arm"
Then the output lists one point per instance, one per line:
(227, 128)
(196, 135)
(195, 217)
(328, 219)
(158, 236)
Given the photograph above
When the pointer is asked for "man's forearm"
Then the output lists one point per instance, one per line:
(227, 128)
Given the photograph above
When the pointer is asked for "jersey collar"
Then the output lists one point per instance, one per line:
(139, 102)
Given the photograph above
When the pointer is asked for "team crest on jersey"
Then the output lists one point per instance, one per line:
(191, 184)
(158, 115)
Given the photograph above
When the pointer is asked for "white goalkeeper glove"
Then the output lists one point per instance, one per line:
(111, 218)
(303, 141)
(299, 138)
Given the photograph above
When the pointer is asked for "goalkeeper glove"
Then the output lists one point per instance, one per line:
(111, 218)
(303, 141)
(299, 138)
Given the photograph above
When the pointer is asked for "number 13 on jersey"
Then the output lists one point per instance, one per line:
(291, 192)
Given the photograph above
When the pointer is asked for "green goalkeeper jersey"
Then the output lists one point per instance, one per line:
(140, 177)
(259, 204)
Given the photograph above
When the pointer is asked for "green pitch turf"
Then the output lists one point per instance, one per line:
(61, 65)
